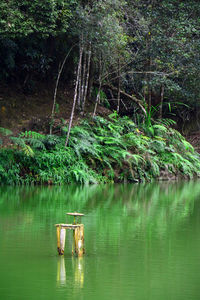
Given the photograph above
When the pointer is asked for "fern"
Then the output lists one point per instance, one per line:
(135, 159)
(160, 128)
(26, 149)
(188, 146)
(35, 143)
(158, 146)
(166, 122)
(5, 131)
(32, 134)
(100, 150)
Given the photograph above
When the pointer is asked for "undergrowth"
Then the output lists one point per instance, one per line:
(100, 150)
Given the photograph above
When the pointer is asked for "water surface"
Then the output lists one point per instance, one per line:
(142, 242)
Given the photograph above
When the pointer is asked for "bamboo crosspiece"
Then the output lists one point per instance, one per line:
(78, 235)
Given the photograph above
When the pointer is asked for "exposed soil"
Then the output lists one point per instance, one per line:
(20, 112)
(194, 139)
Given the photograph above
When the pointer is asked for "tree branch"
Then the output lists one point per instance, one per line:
(133, 98)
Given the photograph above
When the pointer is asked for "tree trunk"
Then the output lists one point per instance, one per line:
(97, 101)
(99, 90)
(149, 87)
(79, 88)
(56, 88)
(161, 101)
(118, 92)
(87, 78)
(75, 94)
(83, 80)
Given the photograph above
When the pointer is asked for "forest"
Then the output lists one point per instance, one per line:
(99, 91)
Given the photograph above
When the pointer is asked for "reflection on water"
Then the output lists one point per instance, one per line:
(142, 242)
(77, 274)
(78, 268)
(61, 272)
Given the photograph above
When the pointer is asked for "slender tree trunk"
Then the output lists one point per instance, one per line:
(118, 92)
(161, 101)
(99, 90)
(149, 99)
(80, 79)
(75, 94)
(97, 100)
(87, 77)
(79, 88)
(91, 78)
(149, 87)
(83, 79)
(56, 88)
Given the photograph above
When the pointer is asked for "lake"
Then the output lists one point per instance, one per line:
(141, 241)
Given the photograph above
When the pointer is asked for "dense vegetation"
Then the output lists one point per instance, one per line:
(136, 57)
(100, 150)
(149, 49)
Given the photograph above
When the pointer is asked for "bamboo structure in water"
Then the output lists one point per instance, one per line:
(78, 236)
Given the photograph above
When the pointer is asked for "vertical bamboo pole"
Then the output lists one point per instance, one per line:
(58, 237)
(62, 240)
(79, 240)
(73, 243)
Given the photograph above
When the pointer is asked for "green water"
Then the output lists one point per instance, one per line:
(142, 242)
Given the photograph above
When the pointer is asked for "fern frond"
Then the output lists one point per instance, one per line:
(166, 122)
(32, 134)
(161, 128)
(35, 143)
(188, 146)
(5, 131)
(27, 150)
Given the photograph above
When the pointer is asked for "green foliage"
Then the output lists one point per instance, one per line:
(5, 131)
(100, 150)
(35, 36)
(24, 17)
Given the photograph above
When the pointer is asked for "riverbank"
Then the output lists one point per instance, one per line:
(100, 150)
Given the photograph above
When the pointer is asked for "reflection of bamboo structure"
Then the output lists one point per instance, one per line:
(79, 271)
(61, 273)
